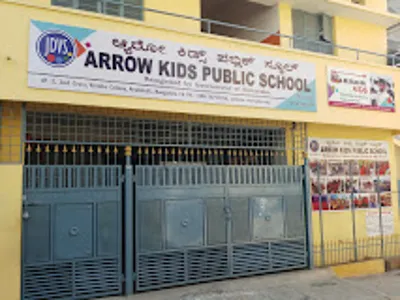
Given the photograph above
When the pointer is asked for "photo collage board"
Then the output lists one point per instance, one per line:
(342, 170)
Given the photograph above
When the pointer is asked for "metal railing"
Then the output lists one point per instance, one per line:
(337, 252)
(311, 45)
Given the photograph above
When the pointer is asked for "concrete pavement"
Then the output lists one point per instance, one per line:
(302, 285)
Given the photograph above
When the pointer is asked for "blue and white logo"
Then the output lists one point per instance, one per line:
(56, 48)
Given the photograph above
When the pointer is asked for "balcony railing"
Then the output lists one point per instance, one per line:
(307, 44)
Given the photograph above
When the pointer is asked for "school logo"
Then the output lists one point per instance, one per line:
(56, 48)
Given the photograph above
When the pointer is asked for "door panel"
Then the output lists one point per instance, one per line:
(207, 229)
(268, 218)
(184, 223)
(73, 231)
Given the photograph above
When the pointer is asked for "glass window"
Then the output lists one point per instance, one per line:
(131, 9)
(313, 32)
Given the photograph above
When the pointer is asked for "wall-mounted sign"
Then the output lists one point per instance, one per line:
(373, 223)
(84, 60)
(342, 171)
(354, 89)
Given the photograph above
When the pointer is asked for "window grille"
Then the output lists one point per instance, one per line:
(67, 137)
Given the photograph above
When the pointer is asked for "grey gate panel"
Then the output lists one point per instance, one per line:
(71, 232)
(184, 223)
(198, 223)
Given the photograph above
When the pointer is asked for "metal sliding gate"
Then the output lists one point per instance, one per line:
(113, 202)
(197, 223)
(71, 231)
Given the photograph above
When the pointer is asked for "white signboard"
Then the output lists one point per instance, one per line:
(354, 89)
(372, 222)
(79, 59)
(347, 149)
(342, 171)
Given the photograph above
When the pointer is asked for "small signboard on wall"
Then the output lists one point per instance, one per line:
(373, 223)
(363, 90)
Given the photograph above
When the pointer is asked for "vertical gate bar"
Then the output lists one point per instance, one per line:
(69, 183)
(228, 218)
(96, 170)
(73, 279)
(42, 175)
(51, 179)
(186, 264)
(196, 179)
(308, 214)
(33, 178)
(205, 224)
(51, 229)
(95, 229)
(271, 265)
(380, 209)
(250, 216)
(163, 225)
(25, 180)
(78, 174)
(117, 183)
(285, 225)
(321, 225)
(128, 222)
(353, 213)
(114, 181)
(59, 173)
(103, 176)
(86, 174)
(239, 173)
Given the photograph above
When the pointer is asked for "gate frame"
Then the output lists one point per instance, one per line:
(136, 140)
(67, 182)
(129, 223)
(308, 213)
(230, 244)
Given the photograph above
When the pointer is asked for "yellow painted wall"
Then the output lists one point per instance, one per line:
(397, 157)
(188, 7)
(337, 225)
(375, 5)
(14, 61)
(285, 23)
(361, 35)
(10, 231)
